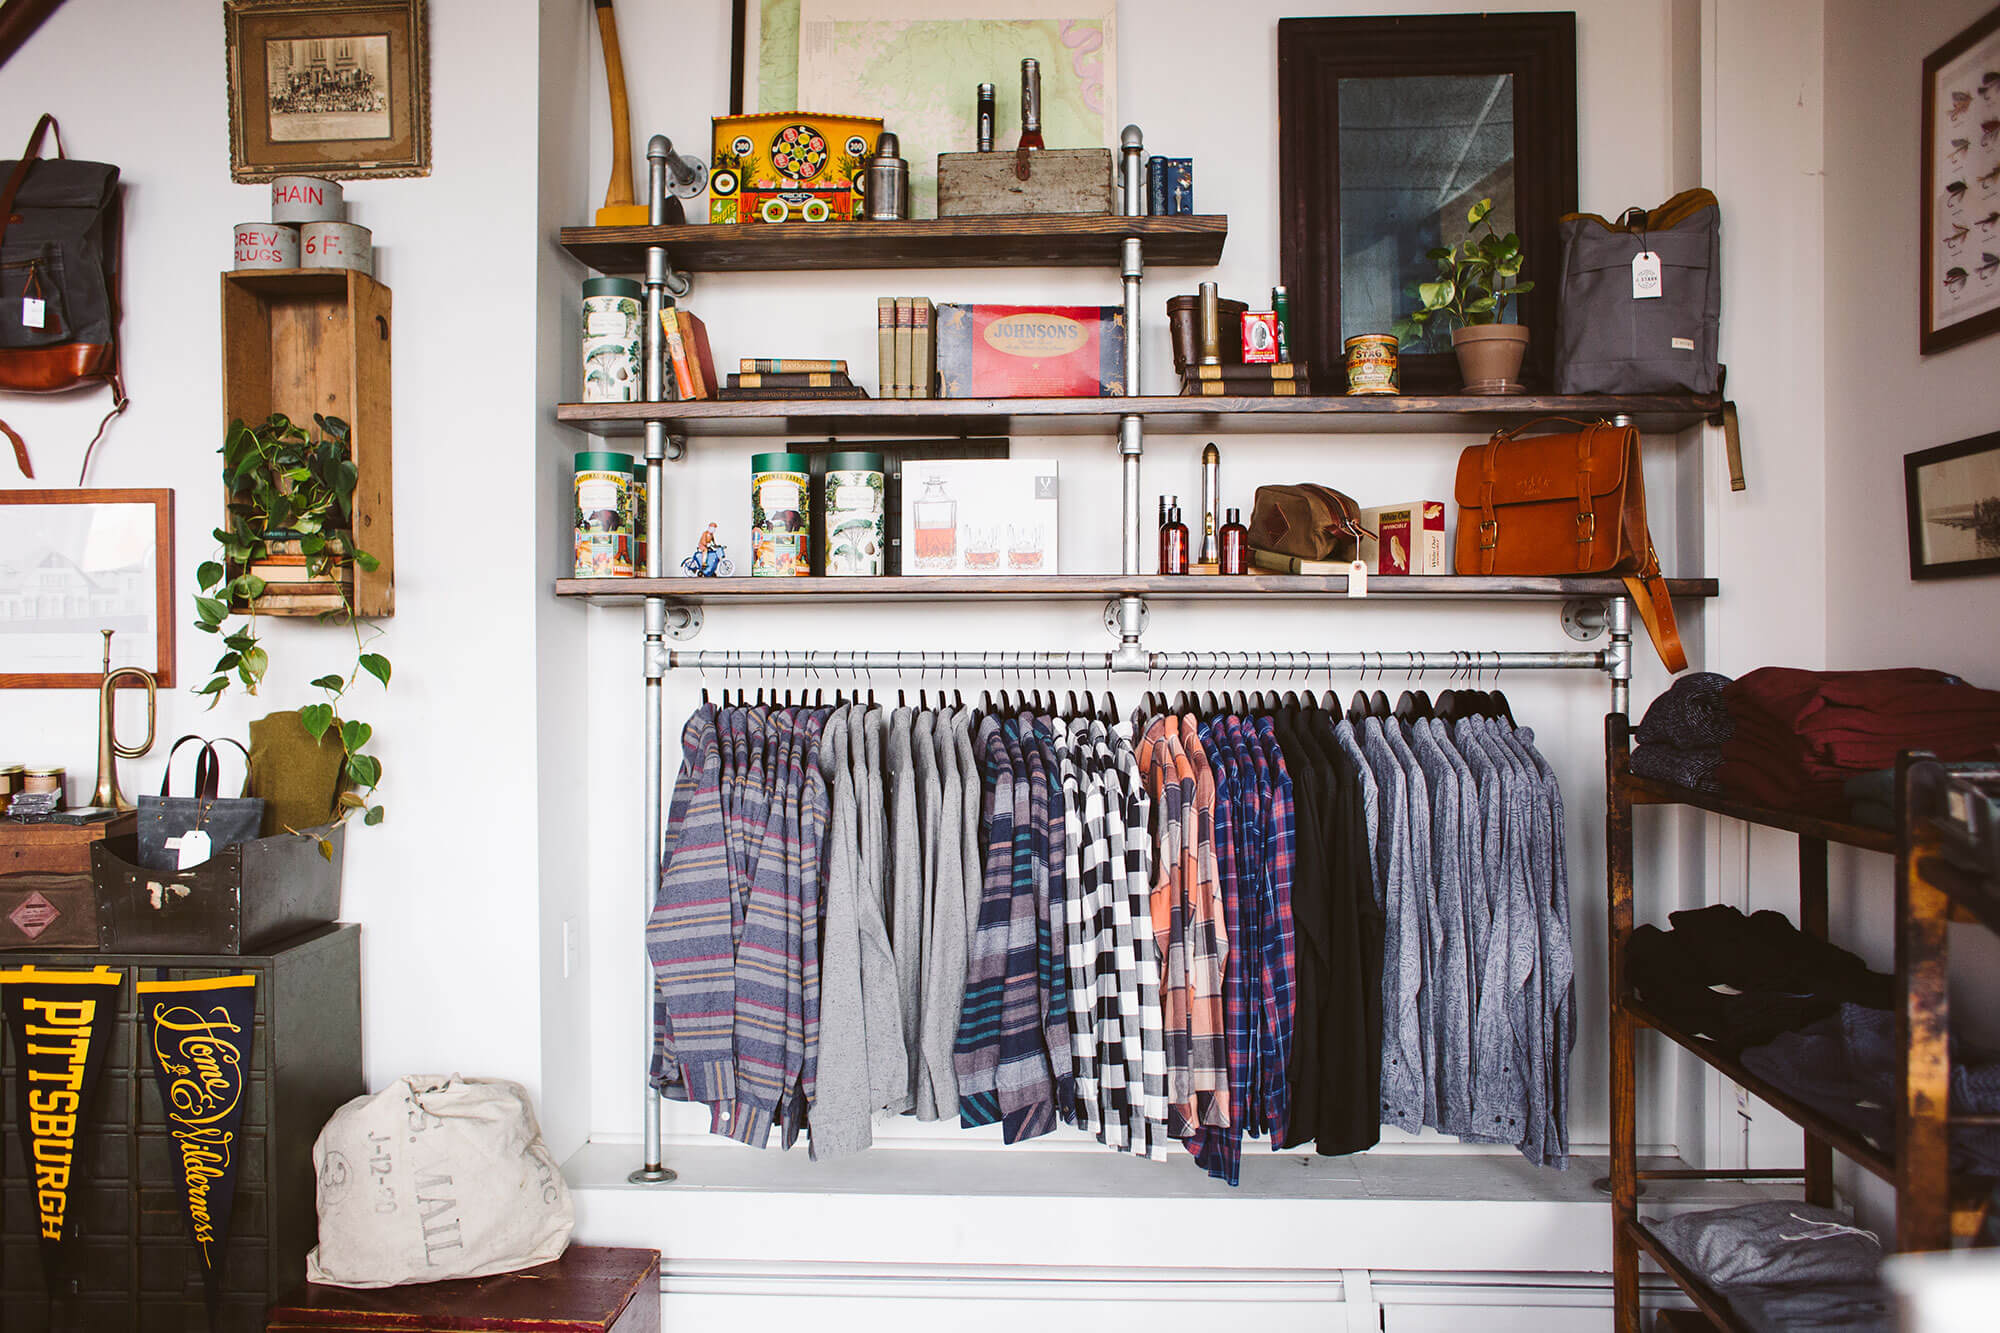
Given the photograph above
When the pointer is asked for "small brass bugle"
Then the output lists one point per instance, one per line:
(109, 750)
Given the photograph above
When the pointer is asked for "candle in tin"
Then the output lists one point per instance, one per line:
(1372, 364)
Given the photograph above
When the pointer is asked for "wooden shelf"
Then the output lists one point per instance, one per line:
(1646, 791)
(1827, 1130)
(1324, 415)
(1098, 587)
(1027, 241)
(1707, 1299)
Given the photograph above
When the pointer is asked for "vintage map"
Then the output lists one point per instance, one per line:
(918, 64)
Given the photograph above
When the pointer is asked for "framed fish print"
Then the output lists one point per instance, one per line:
(1960, 152)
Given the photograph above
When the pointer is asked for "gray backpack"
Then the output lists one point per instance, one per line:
(59, 234)
(1611, 340)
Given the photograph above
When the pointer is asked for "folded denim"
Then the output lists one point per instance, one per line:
(1847, 1307)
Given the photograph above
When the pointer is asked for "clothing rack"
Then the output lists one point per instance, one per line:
(1126, 615)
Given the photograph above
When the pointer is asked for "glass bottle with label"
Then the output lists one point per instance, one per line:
(934, 520)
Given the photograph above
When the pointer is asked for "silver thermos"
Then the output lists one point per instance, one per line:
(888, 181)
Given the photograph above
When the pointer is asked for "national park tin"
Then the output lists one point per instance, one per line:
(780, 516)
(854, 514)
(336, 245)
(266, 245)
(603, 515)
(299, 199)
(1372, 365)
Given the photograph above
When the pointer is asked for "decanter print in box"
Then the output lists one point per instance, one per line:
(935, 527)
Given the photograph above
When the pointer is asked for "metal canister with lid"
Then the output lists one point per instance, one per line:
(854, 516)
(603, 515)
(780, 516)
(614, 325)
(1372, 364)
(886, 184)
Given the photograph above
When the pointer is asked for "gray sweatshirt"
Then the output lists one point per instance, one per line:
(839, 1115)
(906, 890)
(944, 915)
(888, 1061)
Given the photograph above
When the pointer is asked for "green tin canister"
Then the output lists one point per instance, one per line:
(603, 515)
(780, 516)
(854, 518)
(642, 519)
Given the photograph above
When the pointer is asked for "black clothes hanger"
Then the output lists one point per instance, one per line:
(1378, 705)
(1424, 708)
(1446, 708)
(1110, 709)
(1500, 708)
(1357, 707)
(1406, 707)
(1292, 699)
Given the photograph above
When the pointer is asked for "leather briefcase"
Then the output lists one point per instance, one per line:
(1553, 505)
(1307, 521)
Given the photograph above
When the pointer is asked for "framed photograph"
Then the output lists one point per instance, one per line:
(337, 88)
(1952, 494)
(918, 64)
(1960, 152)
(1389, 130)
(73, 564)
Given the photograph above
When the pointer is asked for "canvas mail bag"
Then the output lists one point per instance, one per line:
(1555, 505)
(59, 237)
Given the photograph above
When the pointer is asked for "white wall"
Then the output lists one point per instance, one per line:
(1884, 401)
(446, 890)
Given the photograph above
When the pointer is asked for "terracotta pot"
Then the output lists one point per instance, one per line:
(1490, 356)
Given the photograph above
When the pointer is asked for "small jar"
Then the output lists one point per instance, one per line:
(853, 516)
(603, 489)
(39, 780)
(780, 516)
(614, 329)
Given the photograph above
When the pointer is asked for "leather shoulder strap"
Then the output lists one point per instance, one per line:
(1656, 610)
(20, 173)
(20, 450)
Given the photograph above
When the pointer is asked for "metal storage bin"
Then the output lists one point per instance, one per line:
(244, 897)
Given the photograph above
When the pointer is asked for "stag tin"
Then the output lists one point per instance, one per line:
(266, 245)
(336, 245)
(297, 199)
(603, 515)
(1372, 366)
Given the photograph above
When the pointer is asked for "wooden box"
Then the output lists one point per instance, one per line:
(40, 910)
(1060, 180)
(242, 898)
(300, 341)
(589, 1288)
(135, 1269)
(62, 849)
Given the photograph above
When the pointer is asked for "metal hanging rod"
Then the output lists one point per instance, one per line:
(831, 662)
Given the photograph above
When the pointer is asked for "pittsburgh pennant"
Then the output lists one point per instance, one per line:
(62, 1024)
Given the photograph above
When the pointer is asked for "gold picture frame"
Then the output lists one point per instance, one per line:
(336, 88)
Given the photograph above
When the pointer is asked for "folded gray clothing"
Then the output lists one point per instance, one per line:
(1693, 769)
(1760, 1244)
(1847, 1307)
(1691, 714)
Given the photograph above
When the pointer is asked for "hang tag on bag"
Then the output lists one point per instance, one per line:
(190, 849)
(1357, 578)
(1646, 276)
(34, 312)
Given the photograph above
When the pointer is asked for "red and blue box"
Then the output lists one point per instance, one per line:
(1031, 351)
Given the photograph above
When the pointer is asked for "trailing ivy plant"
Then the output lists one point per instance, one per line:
(1476, 278)
(291, 486)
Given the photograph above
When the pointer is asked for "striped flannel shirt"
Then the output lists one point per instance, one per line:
(1218, 1149)
(1047, 836)
(1082, 892)
(1139, 989)
(694, 815)
(688, 936)
(976, 1053)
(1279, 937)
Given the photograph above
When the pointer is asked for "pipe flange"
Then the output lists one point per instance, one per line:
(683, 622)
(1114, 624)
(652, 1175)
(1585, 618)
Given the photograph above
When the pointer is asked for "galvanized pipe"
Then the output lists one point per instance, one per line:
(835, 663)
(1619, 654)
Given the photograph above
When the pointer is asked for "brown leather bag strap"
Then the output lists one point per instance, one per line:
(28, 156)
(1656, 609)
(20, 450)
(1513, 432)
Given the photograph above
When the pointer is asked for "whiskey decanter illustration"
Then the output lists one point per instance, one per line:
(935, 516)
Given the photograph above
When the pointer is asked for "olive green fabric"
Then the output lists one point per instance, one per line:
(298, 777)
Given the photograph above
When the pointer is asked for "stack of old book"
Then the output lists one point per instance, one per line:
(294, 580)
(1277, 379)
(906, 346)
(772, 378)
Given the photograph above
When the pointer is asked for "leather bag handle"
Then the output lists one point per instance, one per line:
(29, 155)
(207, 767)
(1513, 432)
(1656, 609)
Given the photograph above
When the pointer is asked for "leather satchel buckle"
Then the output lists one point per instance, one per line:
(1489, 534)
(1586, 527)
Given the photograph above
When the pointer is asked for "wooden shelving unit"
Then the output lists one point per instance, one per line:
(1028, 241)
(1933, 1207)
(1097, 587)
(1315, 415)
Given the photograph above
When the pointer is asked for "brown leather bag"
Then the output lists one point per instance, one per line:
(1565, 505)
(1308, 521)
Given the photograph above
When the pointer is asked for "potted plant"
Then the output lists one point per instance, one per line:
(1476, 278)
(290, 506)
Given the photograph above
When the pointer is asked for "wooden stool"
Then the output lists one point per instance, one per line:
(589, 1288)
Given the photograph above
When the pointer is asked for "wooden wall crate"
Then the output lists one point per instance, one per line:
(300, 341)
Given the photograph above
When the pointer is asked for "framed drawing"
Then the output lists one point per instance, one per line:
(75, 563)
(918, 63)
(336, 88)
(1960, 240)
(1952, 495)
(1389, 130)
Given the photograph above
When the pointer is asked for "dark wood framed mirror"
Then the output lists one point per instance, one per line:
(1389, 129)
